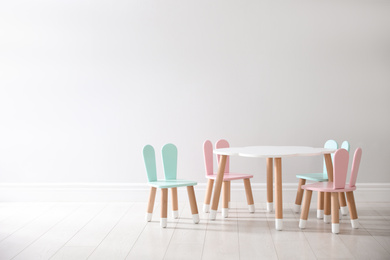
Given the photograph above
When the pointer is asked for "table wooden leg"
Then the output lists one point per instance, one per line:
(270, 192)
(229, 191)
(217, 188)
(329, 166)
(327, 198)
(278, 194)
(225, 199)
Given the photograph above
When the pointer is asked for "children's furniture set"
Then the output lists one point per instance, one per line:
(331, 183)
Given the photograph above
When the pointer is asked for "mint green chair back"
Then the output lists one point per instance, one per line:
(331, 144)
(169, 157)
(150, 162)
(345, 145)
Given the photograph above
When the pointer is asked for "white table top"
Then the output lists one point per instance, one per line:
(273, 151)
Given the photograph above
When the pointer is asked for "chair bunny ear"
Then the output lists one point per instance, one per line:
(340, 168)
(355, 166)
(150, 162)
(331, 144)
(169, 157)
(208, 157)
(345, 145)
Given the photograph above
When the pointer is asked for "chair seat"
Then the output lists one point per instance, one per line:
(312, 177)
(231, 176)
(171, 183)
(326, 187)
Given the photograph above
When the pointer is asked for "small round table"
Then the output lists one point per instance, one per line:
(274, 155)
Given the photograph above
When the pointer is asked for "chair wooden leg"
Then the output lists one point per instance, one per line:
(249, 195)
(335, 213)
(298, 198)
(320, 205)
(164, 207)
(207, 199)
(270, 183)
(194, 207)
(152, 197)
(175, 204)
(327, 209)
(352, 209)
(225, 199)
(343, 204)
(305, 209)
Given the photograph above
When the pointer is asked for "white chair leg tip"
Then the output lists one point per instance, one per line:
(251, 208)
(320, 213)
(297, 208)
(355, 223)
(335, 228)
(149, 217)
(327, 218)
(206, 208)
(213, 214)
(175, 214)
(225, 212)
(195, 218)
(278, 224)
(163, 222)
(302, 223)
(344, 210)
(270, 206)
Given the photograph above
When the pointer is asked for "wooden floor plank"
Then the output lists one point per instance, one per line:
(90, 236)
(119, 230)
(22, 238)
(221, 240)
(26, 213)
(47, 245)
(154, 240)
(255, 237)
(123, 236)
(188, 238)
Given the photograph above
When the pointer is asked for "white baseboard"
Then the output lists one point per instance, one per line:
(109, 192)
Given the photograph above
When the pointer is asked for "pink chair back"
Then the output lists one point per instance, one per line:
(340, 168)
(355, 166)
(208, 157)
(222, 143)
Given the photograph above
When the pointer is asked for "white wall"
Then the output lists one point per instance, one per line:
(84, 85)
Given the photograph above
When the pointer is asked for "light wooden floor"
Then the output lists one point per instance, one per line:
(119, 231)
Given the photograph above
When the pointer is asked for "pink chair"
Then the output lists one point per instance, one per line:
(340, 169)
(208, 159)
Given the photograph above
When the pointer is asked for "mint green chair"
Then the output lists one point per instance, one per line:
(323, 176)
(169, 157)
